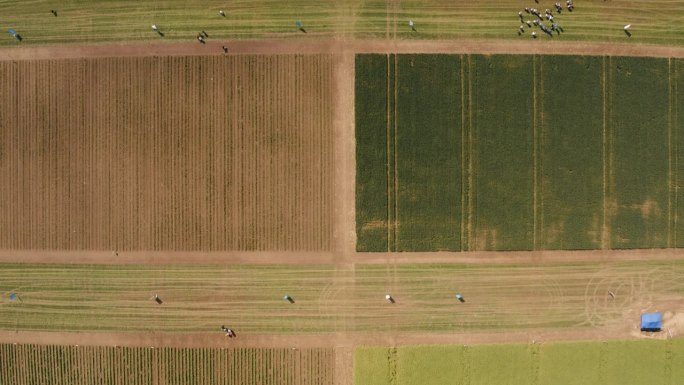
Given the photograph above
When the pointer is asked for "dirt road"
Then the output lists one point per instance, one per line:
(337, 340)
(337, 46)
(345, 256)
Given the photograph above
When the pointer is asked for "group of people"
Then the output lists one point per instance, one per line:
(541, 18)
(229, 332)
(201, 36)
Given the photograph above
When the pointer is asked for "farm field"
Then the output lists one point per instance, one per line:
(219, 180)
(571, 153)
(121, 20)
(517, 152)
(499, 297)
(500, 189)
(76, 365)
(586, 363)
(172, 153)
(640, 143)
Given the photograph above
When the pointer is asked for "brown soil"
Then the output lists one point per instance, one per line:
(337, 46)
(173, 153)
(336, 340)
(346, 256)
(344, 224)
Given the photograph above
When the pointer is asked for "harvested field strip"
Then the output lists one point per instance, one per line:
(571, 158)
(38, 364)
(585, 363)
(639, 105)
(329, 299)
(119, 20)
(180, 153)
(547, 152)
(427, 155)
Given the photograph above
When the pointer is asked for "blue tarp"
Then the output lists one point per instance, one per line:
(651, 321)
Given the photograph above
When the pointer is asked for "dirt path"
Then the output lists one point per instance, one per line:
(338, 46)
(344, 224)
(344, 257)
(335, 340)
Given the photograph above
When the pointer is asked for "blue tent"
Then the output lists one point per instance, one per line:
(651, 321)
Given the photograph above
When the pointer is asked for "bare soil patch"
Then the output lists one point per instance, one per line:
(175, 153)
(344, 148)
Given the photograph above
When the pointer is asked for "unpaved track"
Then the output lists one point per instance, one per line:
(337, 46)
(339, 256)
(344, 169)
(202, 153)
(336, 340)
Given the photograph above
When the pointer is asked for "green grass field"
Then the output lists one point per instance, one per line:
(127, 20)
(330, 299)
(551, 363)
(516, 152)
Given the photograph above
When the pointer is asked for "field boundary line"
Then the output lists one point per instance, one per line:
(158, 258)
(304, 341)
(316, 46)
(344, 222)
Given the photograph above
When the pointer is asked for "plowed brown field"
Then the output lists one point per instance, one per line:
(172, 153)
(36, 364)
